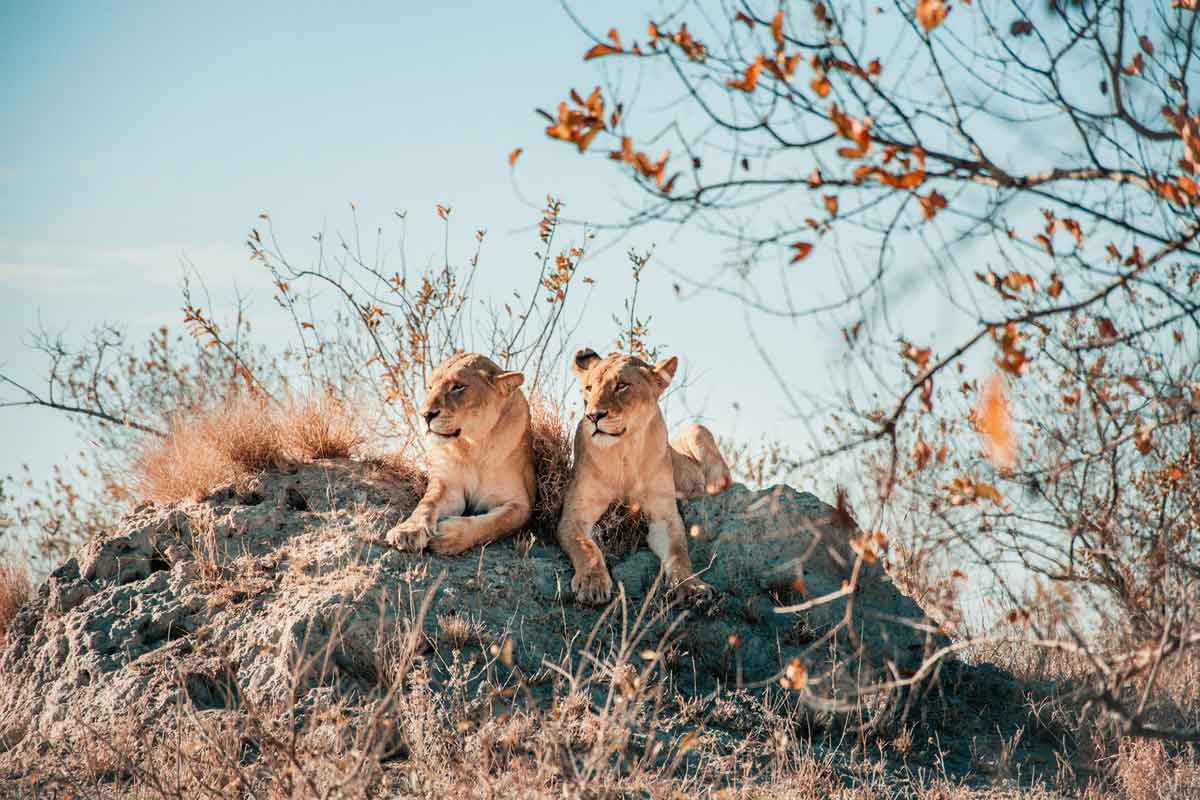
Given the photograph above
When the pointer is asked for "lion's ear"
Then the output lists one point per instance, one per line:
(508, 382)
(664, 371)
(583, 361)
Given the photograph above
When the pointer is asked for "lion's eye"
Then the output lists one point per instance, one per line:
(622, 387)
(457, 388)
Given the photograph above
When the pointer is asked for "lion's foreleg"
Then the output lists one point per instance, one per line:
(458, 534)
(668, 541)
(415, 532)
(591, 582)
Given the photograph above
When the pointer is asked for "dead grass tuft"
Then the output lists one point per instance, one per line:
(248, 432)
(186, 465)
(321, 427)
(1149, 770)
(15, 589)
(244, 435)
(552, 444)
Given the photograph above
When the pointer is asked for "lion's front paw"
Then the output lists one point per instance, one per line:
(411, 535)
(452, 538)
(693, 591)
(592, 586)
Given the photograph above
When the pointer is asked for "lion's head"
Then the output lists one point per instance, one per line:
(466, 396)
(620, 393)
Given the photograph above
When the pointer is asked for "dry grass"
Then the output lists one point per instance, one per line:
(245, 435)
(552, 445)
(477, 732)
(321, 427)
(1149, 770)
(15, 589)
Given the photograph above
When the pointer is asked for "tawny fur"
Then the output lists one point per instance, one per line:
(481, 481)
(622, 454)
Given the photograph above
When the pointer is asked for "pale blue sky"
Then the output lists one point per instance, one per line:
(138, 135)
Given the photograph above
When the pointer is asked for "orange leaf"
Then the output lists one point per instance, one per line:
(601, 50)
(831, 204)
(988, 492)
(931, 13)
(1106, 328)
(931, 204)
(513, 156)
(820, 86)
(747, 83)
(802, 250)
(994, 419)
(777, 28)
(1135, 66)
(1056, 285)
(443, 211)
(1045, 242)
(917, 355)
(741, 17)
(1146, 45)
(614, 37)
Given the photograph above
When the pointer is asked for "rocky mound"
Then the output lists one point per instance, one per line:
(276, 590)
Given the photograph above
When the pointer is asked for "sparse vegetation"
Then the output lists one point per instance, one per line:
(15, 588)
(1059, 481)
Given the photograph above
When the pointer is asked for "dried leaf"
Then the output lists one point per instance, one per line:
(795, 676)
(994, 420)
(986, 491)
(513, 156)
(600, 50)
(917, 355)
(931, 13)
(831, 204)
(1021, 27)
(931, 204)
(750, 79)
(802, 250)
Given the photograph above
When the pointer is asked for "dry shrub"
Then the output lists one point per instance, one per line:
(15, 589)
(186, 464)
(244, 435)
(552, 443)
(1149, 770)
(247, 432)
(321, 427)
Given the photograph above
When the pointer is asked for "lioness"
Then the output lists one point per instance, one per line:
(622, 454)
(480, 459)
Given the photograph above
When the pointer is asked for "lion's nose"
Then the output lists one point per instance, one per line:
(596, 416)
(430, 416)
